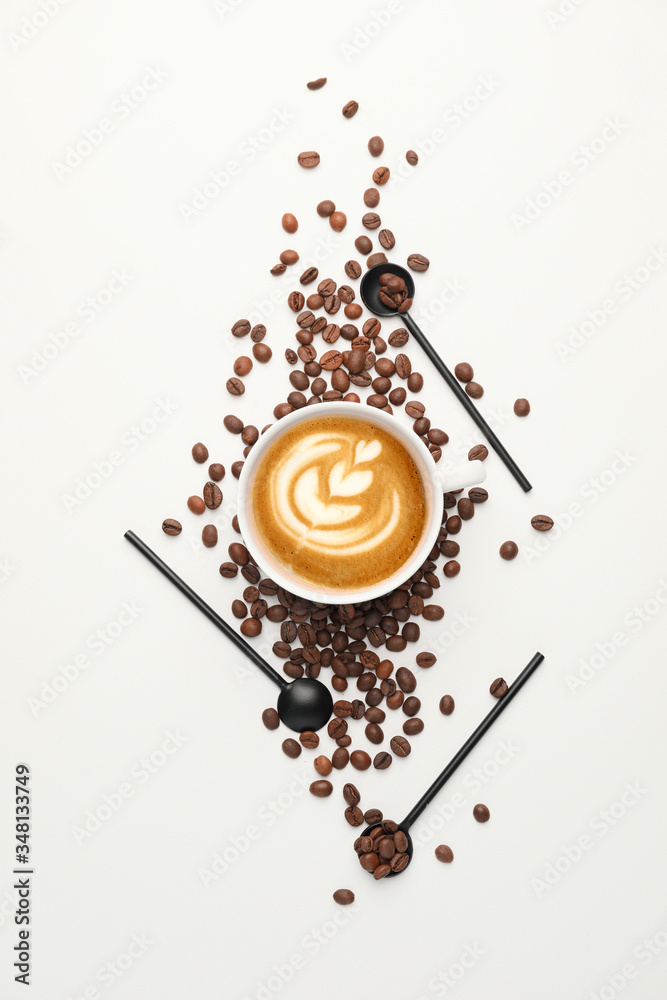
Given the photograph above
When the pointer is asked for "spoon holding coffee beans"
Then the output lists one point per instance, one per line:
(304, 704)
(385, 848)
(388, 290)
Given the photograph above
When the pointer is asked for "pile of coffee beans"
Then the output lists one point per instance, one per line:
(384, 849)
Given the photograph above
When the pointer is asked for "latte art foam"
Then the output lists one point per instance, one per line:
(339, 502)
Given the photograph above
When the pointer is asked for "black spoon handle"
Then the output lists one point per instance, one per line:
(471, 742)
(212, 615)
(454, 385)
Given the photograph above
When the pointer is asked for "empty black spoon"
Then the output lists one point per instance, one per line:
(458, 758)
(303, 704)
(370, 293)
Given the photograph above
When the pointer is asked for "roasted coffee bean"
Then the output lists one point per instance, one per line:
(400, 746)
(342, 709)
(453, 524)
(338, 221)
(241, 328)
(481, 813)
(509, 550)
(382, 760)
(276, 613)
(350, 109)
(242, 366)
(399, 338)
(356, 360)
(386, 848)
(369, 861)
(417, 262)
(498, 687)
(446, 704)
(235, 387)
(386, 239)
(381, 176)
(282, 649)
(171, 526)
(305, 320)
(270, 718)
(371, 198)
(337, 728)
(343, 897)
(212, 496)
(474, 390)
(375, 259)
(396, 643)
(478, 453)
(278, 269)
(228, 570)
(403, 369)
(433, 613)
(251, 627)
(406, 680)
(381, 871)
(415, 382)
(331, 360)
(299, 379)
(289, 257)
(309, 275)
(363, 245)
(425, 659)
(397, 396)
(376, 400)
(381, 386)
(322, 765)
(411, 727)
(354, 816)
(347, 294)
(200, 452)
(321, 789)
(421, 426)
(542, 522)
(239, 610)
(371, 220)
(463, 371)
(308, 159)
(521, 407)
(451, 569)
(196, 505)
(209, 535)
(415, 409)
(326, 208)
(340, 758)
(478, 494)
(411, 706)
(444, 853)
(360, 760)
(262, 353)
(239, 553)
(375, 145)
(351, 794)
(331, 306)
(216, 471)
(465, 508)
(353, 269)
(289, 222)
(291, 748)
(412, 158)
(353, 310)
(258, 333)
(295, 301)
(411, 631)
(309, 740)
(374, 733)
(291, 356)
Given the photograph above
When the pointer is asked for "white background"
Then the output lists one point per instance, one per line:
(522, 288)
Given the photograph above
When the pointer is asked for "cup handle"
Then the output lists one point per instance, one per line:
(468, 474)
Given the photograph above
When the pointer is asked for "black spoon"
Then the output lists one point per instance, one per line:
(370, 293)
(458, 758)
(303, 704)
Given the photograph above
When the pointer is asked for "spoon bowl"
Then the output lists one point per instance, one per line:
(370, 288)
(410, 848)
(305, 705)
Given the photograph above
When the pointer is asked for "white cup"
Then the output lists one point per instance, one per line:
(434, 480)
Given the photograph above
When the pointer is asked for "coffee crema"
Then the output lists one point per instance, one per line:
(338, 502)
